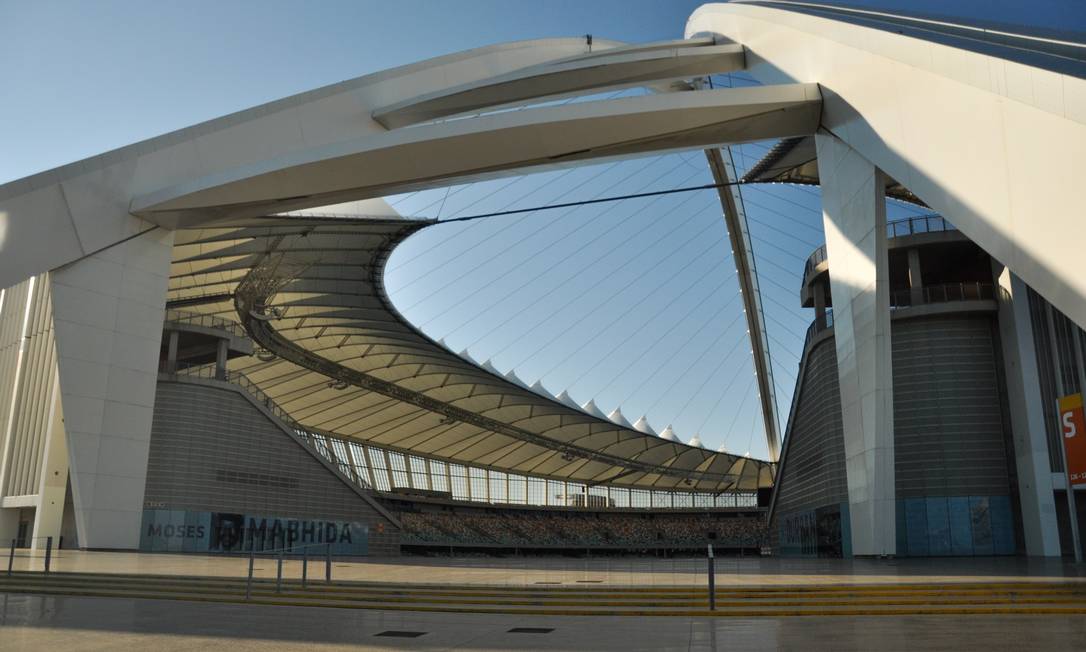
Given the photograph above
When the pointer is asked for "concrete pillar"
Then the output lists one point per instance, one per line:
(1038, 504)
(107, 315)
(52, 486)
(854, 218)
(9, 526)
(171, 352)
(820, 305)
(222, 354)
(916, 281)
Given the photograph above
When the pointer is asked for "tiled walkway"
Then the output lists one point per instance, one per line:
(99, 624)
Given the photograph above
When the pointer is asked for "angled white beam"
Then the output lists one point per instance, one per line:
(61, 215)
(487, 147)
(994, 145)
(616, 68)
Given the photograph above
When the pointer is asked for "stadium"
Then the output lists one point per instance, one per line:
(203, 364)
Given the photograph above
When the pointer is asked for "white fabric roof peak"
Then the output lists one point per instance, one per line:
(669, 434)
(566, 399)
(616, 417)
(514, 378)
(642, 425)
(538, 388)
(591, 408)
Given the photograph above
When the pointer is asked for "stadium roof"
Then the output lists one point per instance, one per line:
(309, 290)
(794, 160)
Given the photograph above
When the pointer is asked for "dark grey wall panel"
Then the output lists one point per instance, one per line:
(948, 426)
(814, 472)
(212, 450)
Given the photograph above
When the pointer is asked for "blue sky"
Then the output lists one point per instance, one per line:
(633, 304)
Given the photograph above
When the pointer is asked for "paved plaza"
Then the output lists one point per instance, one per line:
(93, 624)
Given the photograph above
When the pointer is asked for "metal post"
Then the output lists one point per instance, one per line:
(279, 572)
(1072, 511)
(712, 580)
(305, 566)
(11, 557)
(328, 564)
(249, 582)
(48, 553)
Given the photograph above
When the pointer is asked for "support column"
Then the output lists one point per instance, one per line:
(854, 218)
(1026, 407)
(820, 305)
(9, 526)
(916, 280)
(108, 311)
(171, 352)
(222, 353)
(52, 486)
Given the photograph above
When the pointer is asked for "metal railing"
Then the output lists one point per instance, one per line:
(930, 223)
(814, 328)
(933, 294)
(918, 224)
(47, 564)
(280, 555)
(174, 316)
(817, 257)
(942, 293)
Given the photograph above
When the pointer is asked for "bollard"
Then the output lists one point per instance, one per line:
(279, 573)
(48, 553)
(712, 580)
(249, 583)
(328, 564)
(305, 566)
(11, 557)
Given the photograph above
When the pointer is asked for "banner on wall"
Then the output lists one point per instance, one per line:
(1073, 428)
(185, 531)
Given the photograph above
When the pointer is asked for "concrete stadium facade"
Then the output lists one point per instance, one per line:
(212, 220)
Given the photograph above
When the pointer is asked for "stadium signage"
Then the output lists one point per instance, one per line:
(187, 531)
(1073, 427)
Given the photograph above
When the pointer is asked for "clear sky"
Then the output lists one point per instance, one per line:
(633, 304)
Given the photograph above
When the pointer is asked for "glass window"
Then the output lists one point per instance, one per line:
(399, 470)
(683, 500)
(361, 470)
(498, 493)
(339, 447)
(639, 498)
(478, 484)
(458, 479)
(439, 479)
(661, 499)
(620, 497)
(518, 489)
(379, 467)
(556, 493)
(418, 473)
(537, 491)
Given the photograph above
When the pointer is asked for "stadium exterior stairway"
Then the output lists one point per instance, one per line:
(813, 600)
